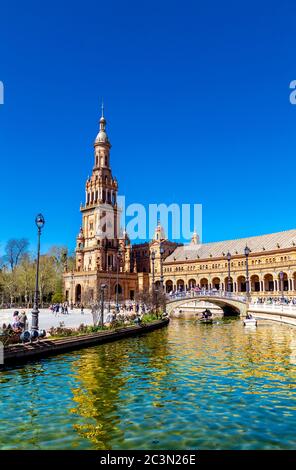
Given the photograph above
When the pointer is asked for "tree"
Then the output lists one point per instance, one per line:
(25, 275)
(57, 298)
(18, 273)
(48, 278)
(15, 249)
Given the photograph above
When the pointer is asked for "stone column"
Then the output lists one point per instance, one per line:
(275, 285)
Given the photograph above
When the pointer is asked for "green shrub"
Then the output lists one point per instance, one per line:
(57, 298)
(150, 317)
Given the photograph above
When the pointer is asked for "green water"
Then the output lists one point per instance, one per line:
(188, 386)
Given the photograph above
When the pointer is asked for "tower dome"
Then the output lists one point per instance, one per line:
(102, 135)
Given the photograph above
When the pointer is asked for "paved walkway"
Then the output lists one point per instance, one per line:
(47, 319)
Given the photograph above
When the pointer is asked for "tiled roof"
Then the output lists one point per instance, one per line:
(259, 244)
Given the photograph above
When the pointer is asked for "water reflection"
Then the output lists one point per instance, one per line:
(101, 380)
(189, 386)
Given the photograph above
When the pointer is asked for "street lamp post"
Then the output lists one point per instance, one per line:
(72, 288)
(109, 289)
(40, 221)
(153, 276)
(117, 278)
(282, 285)
(161, 251)
(228, 278)
(153, 269)
(103, 287)
(247, 252)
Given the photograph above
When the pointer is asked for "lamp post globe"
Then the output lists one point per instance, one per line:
(40, 221)
(247, 250)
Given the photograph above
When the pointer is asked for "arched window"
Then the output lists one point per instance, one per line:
(118, 288)
(78, 293)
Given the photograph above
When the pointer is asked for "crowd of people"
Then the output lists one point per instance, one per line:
(192, 290)
(60, 308)
(274, 301)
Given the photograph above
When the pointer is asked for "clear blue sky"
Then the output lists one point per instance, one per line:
(197, 102)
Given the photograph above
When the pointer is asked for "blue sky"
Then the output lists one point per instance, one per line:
(196, 98)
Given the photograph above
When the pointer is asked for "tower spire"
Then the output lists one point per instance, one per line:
(102, 107)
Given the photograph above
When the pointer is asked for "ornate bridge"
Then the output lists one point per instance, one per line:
(231, 304)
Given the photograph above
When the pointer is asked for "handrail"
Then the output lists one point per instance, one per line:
(273, 307)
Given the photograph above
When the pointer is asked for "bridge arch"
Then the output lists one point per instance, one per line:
(230, 304)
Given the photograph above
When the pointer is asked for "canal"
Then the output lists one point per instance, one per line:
(187, 386)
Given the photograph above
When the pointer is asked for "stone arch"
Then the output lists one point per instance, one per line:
(226, 284)
(230, 307)
(241, 284)
(255, 283)
(216, 283)
(119, 288)
(78, 293)
(268, 282)
(180, 284)
(169, 286)
(191, 283)
(294, 281)
(157, 285)
(285, 282)
(204, 283)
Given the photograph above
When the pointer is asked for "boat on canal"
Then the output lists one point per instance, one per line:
(250, 321)
(206, 317)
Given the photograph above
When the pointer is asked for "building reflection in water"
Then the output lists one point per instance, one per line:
(103, 376)
(173, 387)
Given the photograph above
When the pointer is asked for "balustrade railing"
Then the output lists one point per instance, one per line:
(205, 293)
(275, 307)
